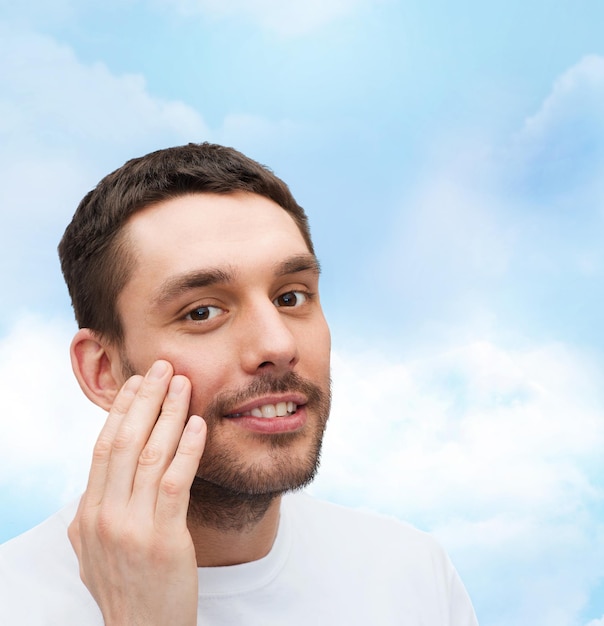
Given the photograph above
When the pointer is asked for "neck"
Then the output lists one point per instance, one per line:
(230, 528)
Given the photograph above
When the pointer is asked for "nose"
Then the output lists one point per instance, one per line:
(267, 342)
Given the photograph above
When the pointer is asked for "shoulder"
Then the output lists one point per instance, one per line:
(392, 562)
(27, 544)
(341, 523)
(39, 576)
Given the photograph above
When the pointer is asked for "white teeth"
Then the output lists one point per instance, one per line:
(274, 410)
(268, 410)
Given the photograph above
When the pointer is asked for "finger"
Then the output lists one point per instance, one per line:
(133, 433)
(173, 495)
(161, 446)
(73, 530)
(101, 455)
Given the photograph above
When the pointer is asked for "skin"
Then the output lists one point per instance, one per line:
(259, 319)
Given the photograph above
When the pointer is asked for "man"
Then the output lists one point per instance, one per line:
(195, 286)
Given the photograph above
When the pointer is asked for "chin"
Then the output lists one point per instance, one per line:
(286, 464)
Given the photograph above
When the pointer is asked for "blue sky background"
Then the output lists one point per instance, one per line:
(451, 159)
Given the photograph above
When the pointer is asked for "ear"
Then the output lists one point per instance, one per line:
(96, 366)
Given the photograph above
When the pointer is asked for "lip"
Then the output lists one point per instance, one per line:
(271, 425)
(298, 399)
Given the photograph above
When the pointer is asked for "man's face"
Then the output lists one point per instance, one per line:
(225, 288)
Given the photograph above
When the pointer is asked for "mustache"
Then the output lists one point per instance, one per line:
(266, 384)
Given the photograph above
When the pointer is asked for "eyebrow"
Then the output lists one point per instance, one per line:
(196, 279)
(298, 263)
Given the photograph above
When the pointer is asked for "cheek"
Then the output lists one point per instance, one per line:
(208, 376)
(315, 351)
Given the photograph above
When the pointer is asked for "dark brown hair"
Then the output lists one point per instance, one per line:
(96, 259)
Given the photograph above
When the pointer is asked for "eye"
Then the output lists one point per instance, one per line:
(291, 298)
(204, 313)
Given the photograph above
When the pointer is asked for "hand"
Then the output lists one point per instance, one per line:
(130, 532)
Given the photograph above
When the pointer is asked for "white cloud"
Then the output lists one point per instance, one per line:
(497, 451)
(49, 94)
(48, 427)
(470, 428)
(62, 121)
(596, 622)
(506, 236)
(63, 124)
(297, 17)
(560, 148)
(575, 98)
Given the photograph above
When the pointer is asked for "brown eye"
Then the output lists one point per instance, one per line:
(203, 313)
(290, 298)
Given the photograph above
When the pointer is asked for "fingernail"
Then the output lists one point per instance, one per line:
(195, 424)
(132, 384)
(158, 370)
(177, 384)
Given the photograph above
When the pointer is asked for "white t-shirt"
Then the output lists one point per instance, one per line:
(329, 565)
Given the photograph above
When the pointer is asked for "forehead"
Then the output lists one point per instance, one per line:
(185, 233)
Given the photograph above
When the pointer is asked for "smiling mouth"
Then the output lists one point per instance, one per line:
(281, 409)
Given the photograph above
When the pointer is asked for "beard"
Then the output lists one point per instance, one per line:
(234, 492)
(278, 471)
(231, 492)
